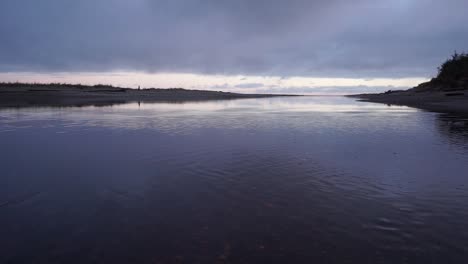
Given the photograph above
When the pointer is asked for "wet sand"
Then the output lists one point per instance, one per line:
(445, 102)
(24, 95)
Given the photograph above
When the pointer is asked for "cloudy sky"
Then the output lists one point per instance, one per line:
(300, 46)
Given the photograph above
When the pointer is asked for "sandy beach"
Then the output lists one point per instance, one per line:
(24, 95)
(445, 102)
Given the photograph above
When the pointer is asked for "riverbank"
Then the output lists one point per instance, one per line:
(447, 92)
(444, 102)
(62, 95)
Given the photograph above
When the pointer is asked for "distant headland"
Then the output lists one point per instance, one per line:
(448, 92)
(56, 94)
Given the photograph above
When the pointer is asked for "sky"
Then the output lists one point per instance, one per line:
(267, 46)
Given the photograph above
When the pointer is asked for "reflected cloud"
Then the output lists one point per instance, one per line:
(188, 117)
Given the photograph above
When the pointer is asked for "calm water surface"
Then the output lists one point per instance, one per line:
(282, 180)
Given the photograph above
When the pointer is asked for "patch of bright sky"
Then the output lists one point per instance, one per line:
(246, 84)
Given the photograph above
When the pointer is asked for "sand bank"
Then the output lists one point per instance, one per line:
(445, 102)
(27, 95)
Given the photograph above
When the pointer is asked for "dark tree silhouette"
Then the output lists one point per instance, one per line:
(454, 69)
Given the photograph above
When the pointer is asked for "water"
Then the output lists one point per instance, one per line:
(281, 180)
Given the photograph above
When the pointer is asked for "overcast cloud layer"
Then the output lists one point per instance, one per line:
(333, 38)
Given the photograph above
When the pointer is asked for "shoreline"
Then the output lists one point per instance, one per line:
(19, 95)
(453, 102)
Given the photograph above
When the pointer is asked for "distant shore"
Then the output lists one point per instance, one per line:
(62, 95)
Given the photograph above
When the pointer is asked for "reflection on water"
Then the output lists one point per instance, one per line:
(186, 117)
(306, 179)
(454, 129)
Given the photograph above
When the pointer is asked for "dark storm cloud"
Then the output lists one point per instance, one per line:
(344, 38)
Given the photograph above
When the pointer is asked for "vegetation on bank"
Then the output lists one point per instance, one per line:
(67, 86)
(452, 75)
(454, 69)
(44, 85)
